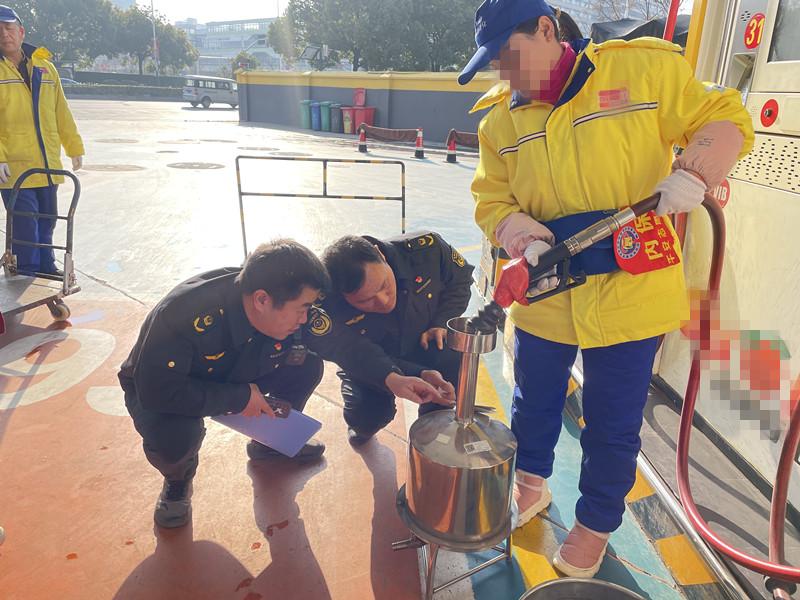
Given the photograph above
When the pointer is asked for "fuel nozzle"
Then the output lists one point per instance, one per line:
(517, 277)
(487, 320)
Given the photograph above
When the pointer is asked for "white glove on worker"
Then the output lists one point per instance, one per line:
(77, 163)
(532, 254)
(5, 173)
(680, 192)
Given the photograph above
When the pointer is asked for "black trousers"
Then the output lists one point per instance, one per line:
(368, 408)
(171, 442)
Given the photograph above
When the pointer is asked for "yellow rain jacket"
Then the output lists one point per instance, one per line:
(606, 144)
(35, 122)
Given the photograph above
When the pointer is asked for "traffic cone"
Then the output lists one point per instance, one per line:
(451, 151)
(419, 152)
(362, 140)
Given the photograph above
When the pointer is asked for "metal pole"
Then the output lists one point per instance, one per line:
(467, 380)
(155, 39)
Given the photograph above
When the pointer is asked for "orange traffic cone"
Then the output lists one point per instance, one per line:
(451, 151)
(419, 152)
(362, 140)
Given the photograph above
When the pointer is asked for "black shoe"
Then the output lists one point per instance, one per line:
(313, 450)
(359, 438)
(174, 506)
(54, 271)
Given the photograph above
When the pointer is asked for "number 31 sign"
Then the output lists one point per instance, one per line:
(754, 30)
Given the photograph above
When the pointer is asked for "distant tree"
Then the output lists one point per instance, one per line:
(243, 60)
(429, 35)
(613, 10)
(281, 38)
(76, 31)
(441, 33)
(135, 38)
(175, 51)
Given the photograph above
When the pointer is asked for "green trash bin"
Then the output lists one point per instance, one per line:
(336, 118)
(305, 114)
(325, 110)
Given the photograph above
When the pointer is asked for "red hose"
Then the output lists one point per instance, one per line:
(770, 568)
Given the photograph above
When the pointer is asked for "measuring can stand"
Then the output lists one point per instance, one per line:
(20, 292)
(458, 492)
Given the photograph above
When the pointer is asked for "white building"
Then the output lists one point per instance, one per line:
(219, 42)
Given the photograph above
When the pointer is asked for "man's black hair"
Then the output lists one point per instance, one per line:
(566, 28)
(282, 268)
(345, 260)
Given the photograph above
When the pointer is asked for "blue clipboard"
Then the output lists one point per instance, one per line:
(287, 436)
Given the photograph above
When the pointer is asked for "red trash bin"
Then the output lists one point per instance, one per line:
(359, 97)
(348, 118)
(364, 114)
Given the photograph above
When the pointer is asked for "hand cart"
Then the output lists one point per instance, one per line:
(20, 292)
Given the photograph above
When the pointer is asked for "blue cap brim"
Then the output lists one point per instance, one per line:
(483, 56)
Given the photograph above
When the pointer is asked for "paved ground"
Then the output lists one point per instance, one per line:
(77, 494)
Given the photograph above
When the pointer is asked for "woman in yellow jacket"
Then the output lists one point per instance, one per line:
(575, 129)
(35, 122)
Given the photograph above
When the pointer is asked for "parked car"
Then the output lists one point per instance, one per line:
(200, 90)
(67, 82)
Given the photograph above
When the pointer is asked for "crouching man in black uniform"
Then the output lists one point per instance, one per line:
(216, 344)
(399, 295)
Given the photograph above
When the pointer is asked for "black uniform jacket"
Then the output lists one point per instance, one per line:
(433, 286)
(197, 353)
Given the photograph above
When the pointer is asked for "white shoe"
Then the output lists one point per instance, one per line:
(531, 495)
(582, 552)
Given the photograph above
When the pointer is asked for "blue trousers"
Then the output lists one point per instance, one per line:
(616, 379)
(43, 200)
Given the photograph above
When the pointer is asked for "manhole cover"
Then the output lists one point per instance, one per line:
(166, 152)
(183, 141)
(257, 148)
(114, 168)
(220, 141)
(196, 165)
(117, 141)
(291, 154)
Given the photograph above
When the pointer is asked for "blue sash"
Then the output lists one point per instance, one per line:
(595, 260)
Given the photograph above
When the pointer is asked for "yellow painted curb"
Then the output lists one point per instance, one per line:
(641, 489)
(683, 561)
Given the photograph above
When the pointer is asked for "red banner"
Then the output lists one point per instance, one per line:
(646, 244)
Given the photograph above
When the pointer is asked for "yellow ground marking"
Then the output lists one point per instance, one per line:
(683, 561)
(534, 546)
(535, 543)
(572, 385)
(486, 394)
(641, 489)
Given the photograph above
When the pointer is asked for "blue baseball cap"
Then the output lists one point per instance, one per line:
(495, 21)
(8, 15)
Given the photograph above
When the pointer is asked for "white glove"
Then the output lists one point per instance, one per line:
(5, 173)
(532, 253)
(77, 163)
(680, 192)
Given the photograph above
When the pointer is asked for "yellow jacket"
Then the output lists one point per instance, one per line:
(21, 138)
(606, 144)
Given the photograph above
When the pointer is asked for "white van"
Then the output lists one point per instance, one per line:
(201, 90)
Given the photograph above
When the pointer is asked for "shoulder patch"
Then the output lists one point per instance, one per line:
(458, 259)
(356, 319)
(203, 323)
(420, 242)
(319, 323)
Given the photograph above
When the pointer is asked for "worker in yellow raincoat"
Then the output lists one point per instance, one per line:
(35, 122)
(575, 129)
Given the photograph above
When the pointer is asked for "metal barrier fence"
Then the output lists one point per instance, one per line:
(401, 198)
